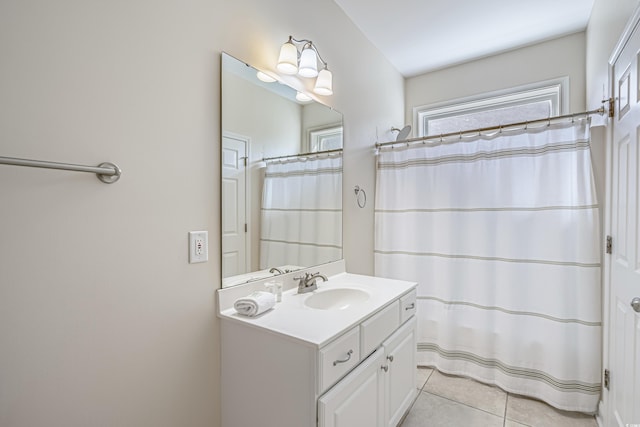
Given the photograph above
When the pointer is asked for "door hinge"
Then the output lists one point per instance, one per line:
(612, 107)
(609, 247)
(246, 228)
(607, 379)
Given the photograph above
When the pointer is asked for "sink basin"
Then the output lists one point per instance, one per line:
(336, 299)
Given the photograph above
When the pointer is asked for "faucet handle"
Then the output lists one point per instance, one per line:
(303, 279)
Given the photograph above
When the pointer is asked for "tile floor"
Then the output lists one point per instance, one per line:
(447, 401)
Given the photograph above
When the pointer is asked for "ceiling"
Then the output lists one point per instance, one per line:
(419, 36)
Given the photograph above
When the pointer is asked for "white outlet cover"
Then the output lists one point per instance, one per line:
(198, 246)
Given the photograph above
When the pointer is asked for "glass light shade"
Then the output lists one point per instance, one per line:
(324, 83)
(308, 62)
(288, 59)
(303, 97)
(265, 77)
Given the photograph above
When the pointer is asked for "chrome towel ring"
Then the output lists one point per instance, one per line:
(359, 191)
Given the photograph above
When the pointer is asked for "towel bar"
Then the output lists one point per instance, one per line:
(106, 172)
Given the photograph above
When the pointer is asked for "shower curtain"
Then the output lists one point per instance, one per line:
(501, 234)
(301, 216)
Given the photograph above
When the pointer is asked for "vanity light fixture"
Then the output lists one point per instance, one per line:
(305, 64)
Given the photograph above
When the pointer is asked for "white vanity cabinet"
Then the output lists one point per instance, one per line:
(358, 400)
(380, 390)
(298, 367)
(400, 379)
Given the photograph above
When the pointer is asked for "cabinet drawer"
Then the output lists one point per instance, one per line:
(378, 327)
(338, 358)
(408, 306)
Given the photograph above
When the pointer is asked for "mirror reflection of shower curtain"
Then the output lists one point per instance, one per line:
(501, 234)
(301, 216)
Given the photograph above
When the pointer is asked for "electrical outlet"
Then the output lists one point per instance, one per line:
(198, 246)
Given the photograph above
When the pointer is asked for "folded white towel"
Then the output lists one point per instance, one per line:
(255, 303)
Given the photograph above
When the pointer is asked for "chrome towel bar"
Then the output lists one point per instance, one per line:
(106, 172)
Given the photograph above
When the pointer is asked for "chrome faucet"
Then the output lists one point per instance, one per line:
(276, 270)
(307, 283)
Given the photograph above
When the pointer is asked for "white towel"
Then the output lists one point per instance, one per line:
(255, 303)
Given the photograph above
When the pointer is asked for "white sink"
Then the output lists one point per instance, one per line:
(336, 299)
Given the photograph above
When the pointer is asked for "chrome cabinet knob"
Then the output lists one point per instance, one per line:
(635, 304)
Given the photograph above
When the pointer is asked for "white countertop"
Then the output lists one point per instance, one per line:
(317, 327)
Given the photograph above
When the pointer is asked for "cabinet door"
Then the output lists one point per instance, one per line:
(400, 384)
(358, 399)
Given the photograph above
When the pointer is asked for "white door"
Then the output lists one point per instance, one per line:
(624, 321)
(358, 399)
(234, 212)
(400, 352)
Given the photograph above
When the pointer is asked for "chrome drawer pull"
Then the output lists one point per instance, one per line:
(390, 358)
(410, 307)
(349, 353)
(385, 368)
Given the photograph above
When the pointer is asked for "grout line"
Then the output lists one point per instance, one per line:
(428, 378)
(506, 404)
(435, 393)
(460, 403)
(515, 421)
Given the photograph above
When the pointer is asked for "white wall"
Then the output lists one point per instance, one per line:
(560, 57)
(102, 320)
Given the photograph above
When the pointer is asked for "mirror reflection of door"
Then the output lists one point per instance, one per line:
(235, 256)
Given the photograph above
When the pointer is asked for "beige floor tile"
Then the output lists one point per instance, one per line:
(422, 376)
(467, 391)
(538, 414)
(511, 423)
(435, 411)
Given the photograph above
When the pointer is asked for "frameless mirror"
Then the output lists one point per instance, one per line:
(281, 178)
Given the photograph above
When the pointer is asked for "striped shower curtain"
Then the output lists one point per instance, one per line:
(301, 216)
(501, 234)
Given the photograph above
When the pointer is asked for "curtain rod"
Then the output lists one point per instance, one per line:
(314, 153)
(600, 111)
(106, 172)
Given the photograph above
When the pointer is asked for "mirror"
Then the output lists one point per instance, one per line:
(281, 178)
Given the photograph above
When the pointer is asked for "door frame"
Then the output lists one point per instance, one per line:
(603, 415)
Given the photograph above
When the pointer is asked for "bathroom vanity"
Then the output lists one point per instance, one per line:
(343, 355)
